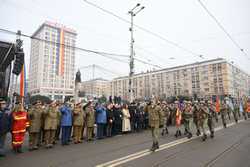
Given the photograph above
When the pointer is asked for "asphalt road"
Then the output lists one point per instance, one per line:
(229, 148)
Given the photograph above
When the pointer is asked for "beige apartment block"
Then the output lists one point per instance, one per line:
(201, 79)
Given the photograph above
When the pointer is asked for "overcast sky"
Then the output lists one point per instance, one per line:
(182, 21)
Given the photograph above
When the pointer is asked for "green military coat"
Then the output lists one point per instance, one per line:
(90, 116)
(35, 116)
(155, 115)
(79, 117)
(52, 117)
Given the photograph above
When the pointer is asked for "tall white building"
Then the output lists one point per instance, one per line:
(52, 64)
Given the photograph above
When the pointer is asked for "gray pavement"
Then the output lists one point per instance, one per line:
(192, 153)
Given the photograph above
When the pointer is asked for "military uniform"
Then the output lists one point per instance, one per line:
(202, 119)
(187, 116)
(35, 116)
(166, 114)
(196, 108)
(211, 116)
(155, 122)
(50, 125)
(78, 122)
(90, 118)
(223, 112)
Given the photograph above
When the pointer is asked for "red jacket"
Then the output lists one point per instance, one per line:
(19, 122)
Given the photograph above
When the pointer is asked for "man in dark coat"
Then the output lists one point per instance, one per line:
(117, 126)
(4, 126)
(110, 119)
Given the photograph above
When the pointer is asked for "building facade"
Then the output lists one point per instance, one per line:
(201, 79)
(52, 61)
(95, 88)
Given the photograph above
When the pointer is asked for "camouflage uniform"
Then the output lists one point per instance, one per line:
(223, 112)
(196, 108)
(212, 114)
(166, 114)
(202, 119)
(187, 116)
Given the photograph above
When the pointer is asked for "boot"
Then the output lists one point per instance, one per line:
(176, 134)
(198, 133)
(162, 133)
(225, 125)
(185, 132)
(153, 148)
(212, 134)
(19, 150)
(189, 135)
(167, 131)
(157, 145)
(179, 132)
(204, 137)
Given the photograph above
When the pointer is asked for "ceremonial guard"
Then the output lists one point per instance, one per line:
(166, 114)
(196, 108)
(78, 122)
(202, 119)
(155, 122)
(20, 123)
(178, 118)
(211, 116)
(223, 113)
(35, 116)
(90, 117)
(51, 117)
(187, 116)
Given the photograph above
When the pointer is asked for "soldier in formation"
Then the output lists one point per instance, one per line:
(35, 116)
(155, 121)
(187, 117)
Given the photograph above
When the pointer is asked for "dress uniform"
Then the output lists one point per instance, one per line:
(50, 124)
(35, 116)
(187, 116)
(90, 118)
(155, 122)
(19, 124)
(78, 122)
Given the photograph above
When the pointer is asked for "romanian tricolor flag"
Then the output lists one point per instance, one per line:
(60, 52)
(23, 82)
(217, 105)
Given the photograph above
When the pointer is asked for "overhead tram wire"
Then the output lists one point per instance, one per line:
(223, 29)
(112, 56)
(146, 30)
(27, 10)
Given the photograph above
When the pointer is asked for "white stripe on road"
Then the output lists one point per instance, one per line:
(146, 152)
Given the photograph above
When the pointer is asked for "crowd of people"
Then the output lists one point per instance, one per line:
(70, 122)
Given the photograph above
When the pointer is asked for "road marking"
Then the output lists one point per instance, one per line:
(146, 152)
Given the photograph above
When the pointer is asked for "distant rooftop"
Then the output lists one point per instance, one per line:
(177, 67)
(54, 25)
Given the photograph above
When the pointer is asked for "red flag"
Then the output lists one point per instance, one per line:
(217, 104)
(22, 82)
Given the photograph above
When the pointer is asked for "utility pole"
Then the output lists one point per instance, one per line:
(133, 12)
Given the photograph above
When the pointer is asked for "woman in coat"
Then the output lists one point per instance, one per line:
(126, 127)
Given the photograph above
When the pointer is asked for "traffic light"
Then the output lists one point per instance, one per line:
(19, 61)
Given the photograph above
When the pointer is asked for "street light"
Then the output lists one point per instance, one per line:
(133, 12)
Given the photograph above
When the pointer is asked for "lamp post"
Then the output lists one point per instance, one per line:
(133, 12)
